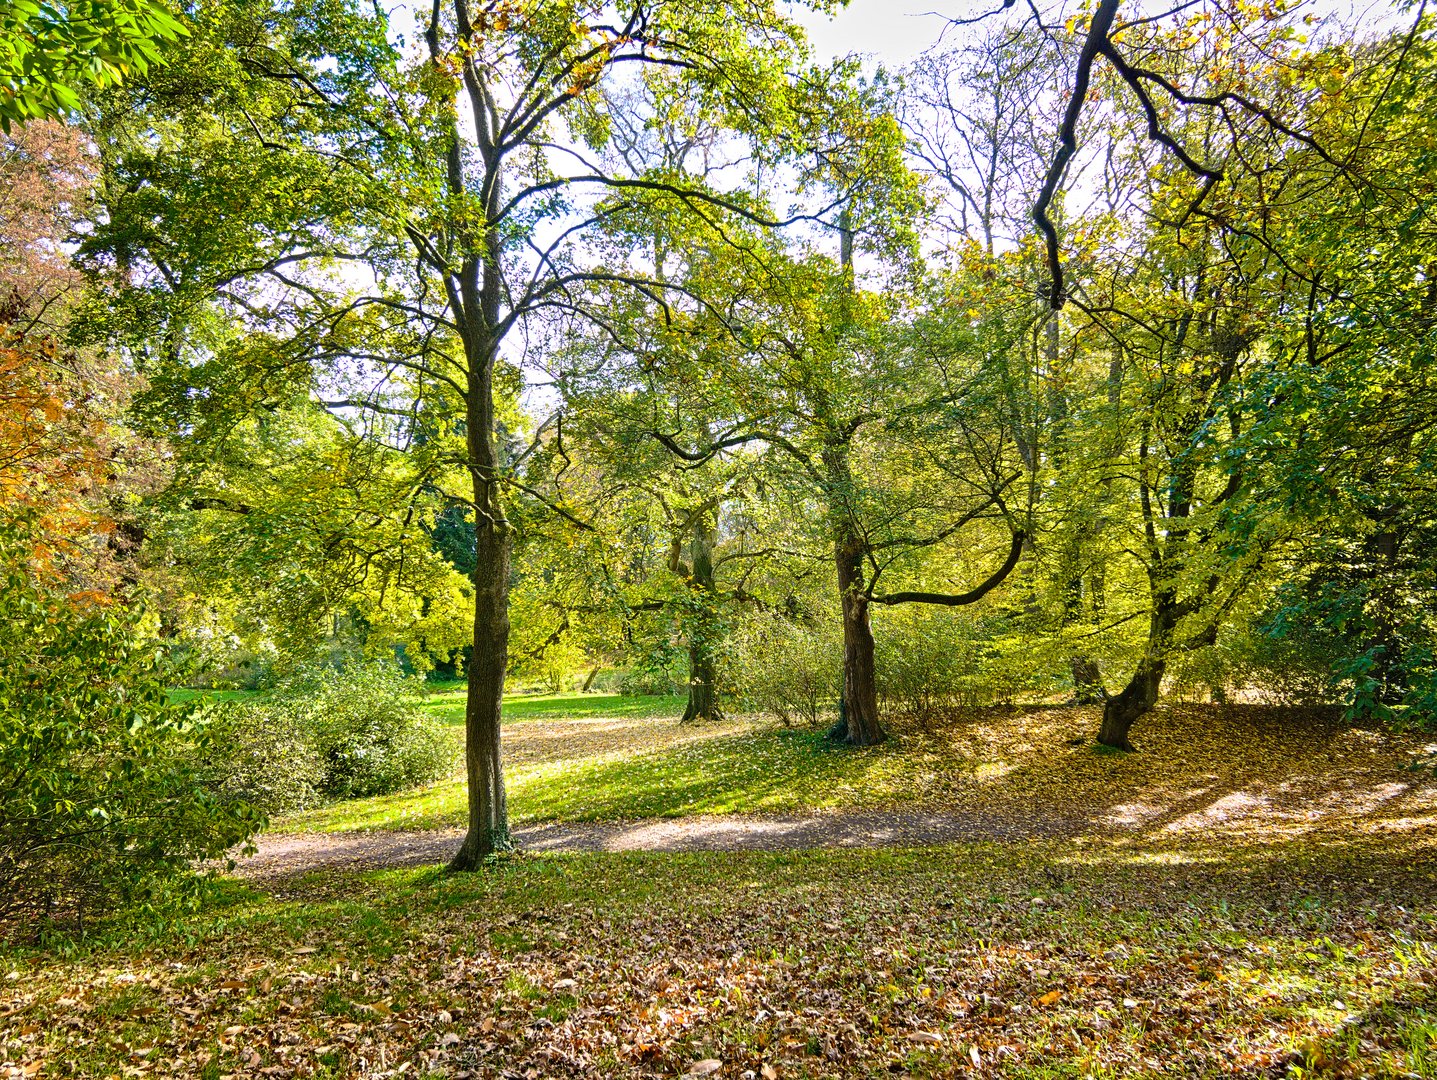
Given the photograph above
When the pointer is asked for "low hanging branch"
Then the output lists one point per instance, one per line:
(972, 596)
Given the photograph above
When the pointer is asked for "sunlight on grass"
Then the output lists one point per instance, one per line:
(448, 706)
(607, 758)
(756, 770)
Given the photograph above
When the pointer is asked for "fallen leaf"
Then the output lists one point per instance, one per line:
(976, 1057)
(928, 1037)
(706, 1067)
(1050, 998)
(768, 1072)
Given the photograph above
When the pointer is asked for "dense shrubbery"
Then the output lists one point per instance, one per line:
(931, 660)
(264, 756)
(786, 670)
(103, 797)
(335, 733)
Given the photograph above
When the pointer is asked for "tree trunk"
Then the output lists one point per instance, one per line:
(703, 696)
(858, 718)
(1122, 711)
(483, 759)
(1087, 681)
(589, 681)
(493, 542)
(703, 700)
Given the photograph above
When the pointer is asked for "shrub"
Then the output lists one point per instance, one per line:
(1299, 667)
(103, 801)
(930, 660)
(263, 755)
(788, 670)
(339, 733)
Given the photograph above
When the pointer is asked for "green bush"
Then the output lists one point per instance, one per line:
(340, 733)
(930, 660)
(103, 797)
(263, 755)
(790, 671)
(1300, 667)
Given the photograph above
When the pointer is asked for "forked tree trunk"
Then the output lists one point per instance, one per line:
(858, 717)
(1123, 710)
(483, 759)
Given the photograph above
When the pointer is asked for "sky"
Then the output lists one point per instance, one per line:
(892, 31)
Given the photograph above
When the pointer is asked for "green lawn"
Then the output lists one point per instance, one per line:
(1032, 961)
(754, 771)
(447, 705)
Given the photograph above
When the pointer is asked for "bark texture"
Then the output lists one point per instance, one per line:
(858, 720)
(1123, 710)
(483, 757)
(703, 703)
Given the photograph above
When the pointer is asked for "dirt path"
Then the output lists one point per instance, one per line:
(284, 854)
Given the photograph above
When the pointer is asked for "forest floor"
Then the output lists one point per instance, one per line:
(1254, 894)
(640, 779)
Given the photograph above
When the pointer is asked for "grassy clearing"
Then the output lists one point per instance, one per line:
(1246, 771)
(447, 705)
(1029, 961)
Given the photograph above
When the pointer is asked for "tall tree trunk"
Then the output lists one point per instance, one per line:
(858, 721)
(483, 758)
(858, 708)
(1123, 710)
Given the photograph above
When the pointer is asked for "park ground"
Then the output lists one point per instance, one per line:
(1252, 894)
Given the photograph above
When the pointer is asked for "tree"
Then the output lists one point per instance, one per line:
(461, 182)
(887, 440)
(1346, 435)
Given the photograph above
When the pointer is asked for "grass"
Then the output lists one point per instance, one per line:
(1253, 895)
(447, 705)
(1201, 768)
(1032, 961)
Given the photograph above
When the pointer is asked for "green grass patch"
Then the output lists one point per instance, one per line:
(762, 770)
(448, 706)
